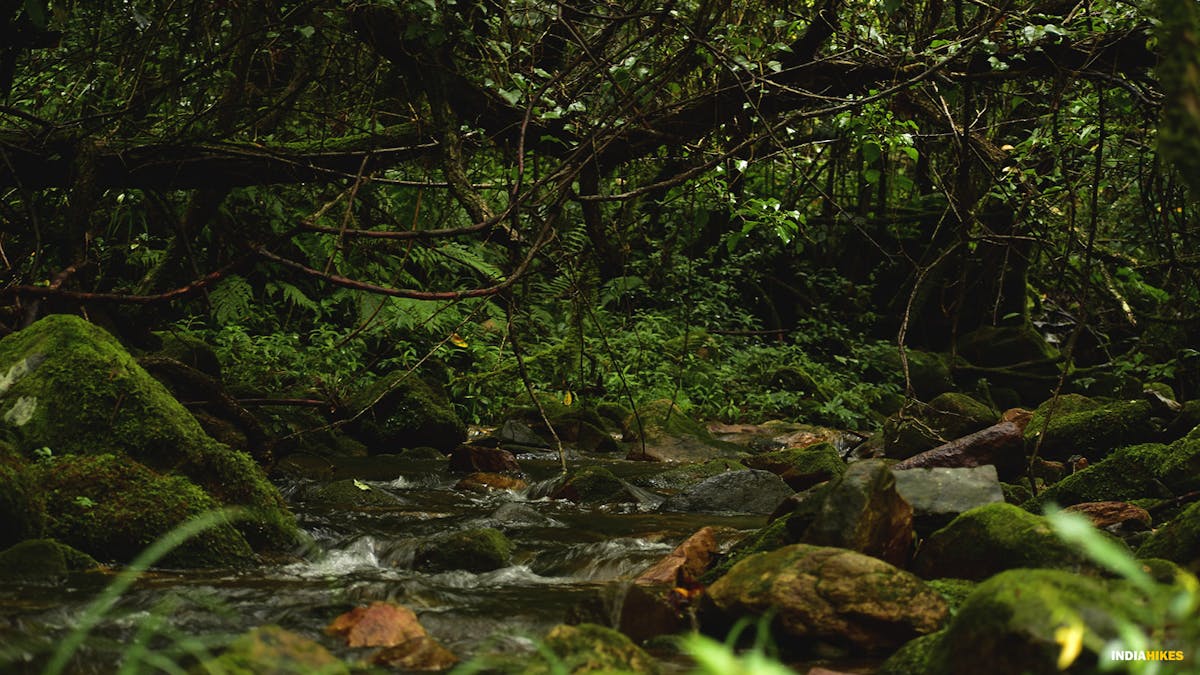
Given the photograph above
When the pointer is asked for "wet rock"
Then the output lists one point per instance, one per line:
(665, 434)
(1177, 541)
(937, 495)
(478, 550)
(351, 494)
(67, 385)
(1012, 623)
(112, 508)
(953, 591)
(685, 564)
(589, 648)
(518, 433)
(775, 535)
(1079, 426)
(862, 511)
(403, 411)
(990, 539)
(1119, 518)
(913, 658)
(1000, 445)
(801, 468)
(380, 624)
(688, 475)
(478, 459)
(749, 491)
(419, 654)
(487, 482)
(271, 650)
(921, 426)
(649, 611)
(514, 514)
(594, 485)
(22, 503)
(830, 595)
(43, 561)
(775, 435)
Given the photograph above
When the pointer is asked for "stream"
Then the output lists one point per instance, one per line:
(567, 557)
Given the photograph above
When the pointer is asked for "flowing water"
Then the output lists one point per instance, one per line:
(567, 559)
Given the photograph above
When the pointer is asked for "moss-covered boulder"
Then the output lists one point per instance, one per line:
(679, 477)
(274, 650)
(351, 494)
(403, 411)
(1177, 541)
(665, 434)
(1076, 425)
(990, 539)
(922, 426)
(113, 508)
(589, 648)
(22, 502)
(775, 535)
(831, 595)
(1128, 473)
(593, 485)
(478, 550)
(67, 385)
(1013, 623)
(43, 561)
(802, 468)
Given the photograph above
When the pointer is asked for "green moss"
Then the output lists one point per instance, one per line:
(43, 560)
(589, 648)
(1177, 541)
(913, 658)
(112, 508)
(774, 536)
(989, 539)
(594, 485)
(1009, 623)
(479, 550)
(955, 591)
(271, 649)
(1125, 474)
(22, 504)
(353, 495)
(821, 461)
(91, 397)
(957, 414)
(690, 474)
(1092, 432)
(402, 411)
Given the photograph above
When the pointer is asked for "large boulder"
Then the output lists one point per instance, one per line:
(594, 485)
(939, 494)
(479, 550)
(990, 539)
(22, 502)
(862, 511)
(403, 411)
(1149, 470)
(42, 561)
(749, 491)
(70, 387)
(829, 595)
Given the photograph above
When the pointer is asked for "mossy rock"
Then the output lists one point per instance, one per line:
(353, 495)
(1092, 432)
(1177, 541)
(670, 435)
(954, 591)
(802, 468)
(22, 503)
(274, 650)
(112, 508)
(403, 411)
(1127, 473)
(593, 485)
(688, 475)
(1011, 623)
(923, 426)
(591, 648)
(774, 536)
(71, 387)
(479, 550)
(43, 560)
(990, 539)
(958, 414)
(913, 658)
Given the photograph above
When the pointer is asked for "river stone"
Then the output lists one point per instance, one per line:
(685, 564)
(43, 561)
(351, 494)
(863, 512)
(749, 491)
(403, 411)
(1177, 541)
(588, 648)
(802, 468)
(516, 514)
(487, 482)
(478, 550)
(476, 458)
(990, 539)
(1080, 426)
(515, 432)
(939, 494)
(271, 649)
(666, 434)
(594, 485)
(831, 595)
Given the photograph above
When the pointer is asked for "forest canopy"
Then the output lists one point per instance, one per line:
(328, 189)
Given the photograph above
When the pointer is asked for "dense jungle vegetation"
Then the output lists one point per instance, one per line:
(621, 202)
(418, 288)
